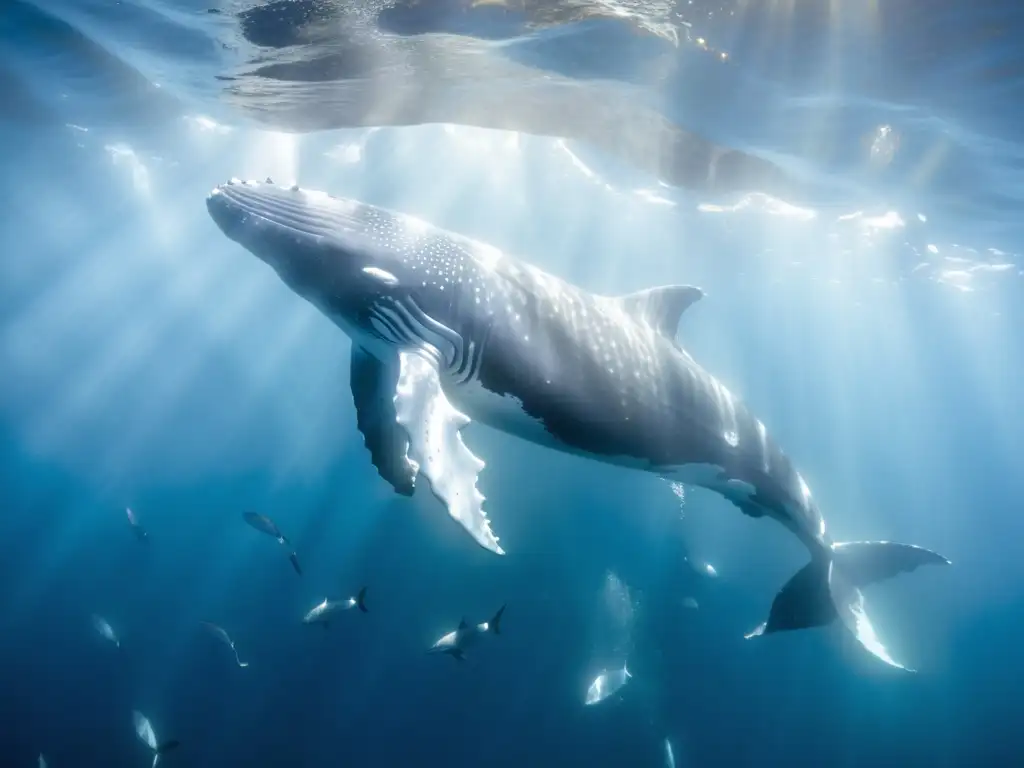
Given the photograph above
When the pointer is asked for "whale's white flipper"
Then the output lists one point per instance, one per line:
(436, 449)
(373, 390)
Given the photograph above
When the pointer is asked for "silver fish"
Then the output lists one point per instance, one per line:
(466, 636)
(605, 684)
(144, 730)
(102, 626)
(265, 525)
(322, 613)
(221, 634)
(137, 529)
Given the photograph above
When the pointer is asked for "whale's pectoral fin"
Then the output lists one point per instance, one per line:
(436, 449)
(829, 587)
(373, 389)
(661, 307)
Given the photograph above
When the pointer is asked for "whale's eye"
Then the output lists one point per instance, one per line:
(382, 275)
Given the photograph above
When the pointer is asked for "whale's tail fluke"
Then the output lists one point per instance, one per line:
(829, 587)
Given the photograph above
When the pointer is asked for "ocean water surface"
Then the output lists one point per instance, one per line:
(843, 181)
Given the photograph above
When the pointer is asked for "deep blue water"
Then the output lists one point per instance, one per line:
(860, 249)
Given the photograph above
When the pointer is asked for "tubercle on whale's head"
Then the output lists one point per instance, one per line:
(323, 247)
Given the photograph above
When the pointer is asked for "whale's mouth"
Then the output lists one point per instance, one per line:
(250, 211)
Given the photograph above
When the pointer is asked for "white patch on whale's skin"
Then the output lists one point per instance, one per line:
(381, 274)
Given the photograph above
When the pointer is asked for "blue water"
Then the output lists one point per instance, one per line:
(860, 249)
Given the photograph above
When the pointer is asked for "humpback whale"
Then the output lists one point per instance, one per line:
(446, 329)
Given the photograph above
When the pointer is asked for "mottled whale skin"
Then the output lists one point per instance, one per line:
(534, 356)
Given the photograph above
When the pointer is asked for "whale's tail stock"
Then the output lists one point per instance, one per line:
(829, 588)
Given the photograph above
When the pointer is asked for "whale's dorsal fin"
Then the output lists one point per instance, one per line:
(661, 307)
(463, 624)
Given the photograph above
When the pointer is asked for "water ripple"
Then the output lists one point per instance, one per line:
(787, 100)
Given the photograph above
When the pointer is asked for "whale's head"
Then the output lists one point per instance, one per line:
(378, 274)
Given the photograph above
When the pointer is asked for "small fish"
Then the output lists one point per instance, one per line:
(465, 636)
(706, 569)
(145, 733)
(265, 525)
(133, 521)
(605, 684)
(102, 626)
(322, 613)
(221, 634)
